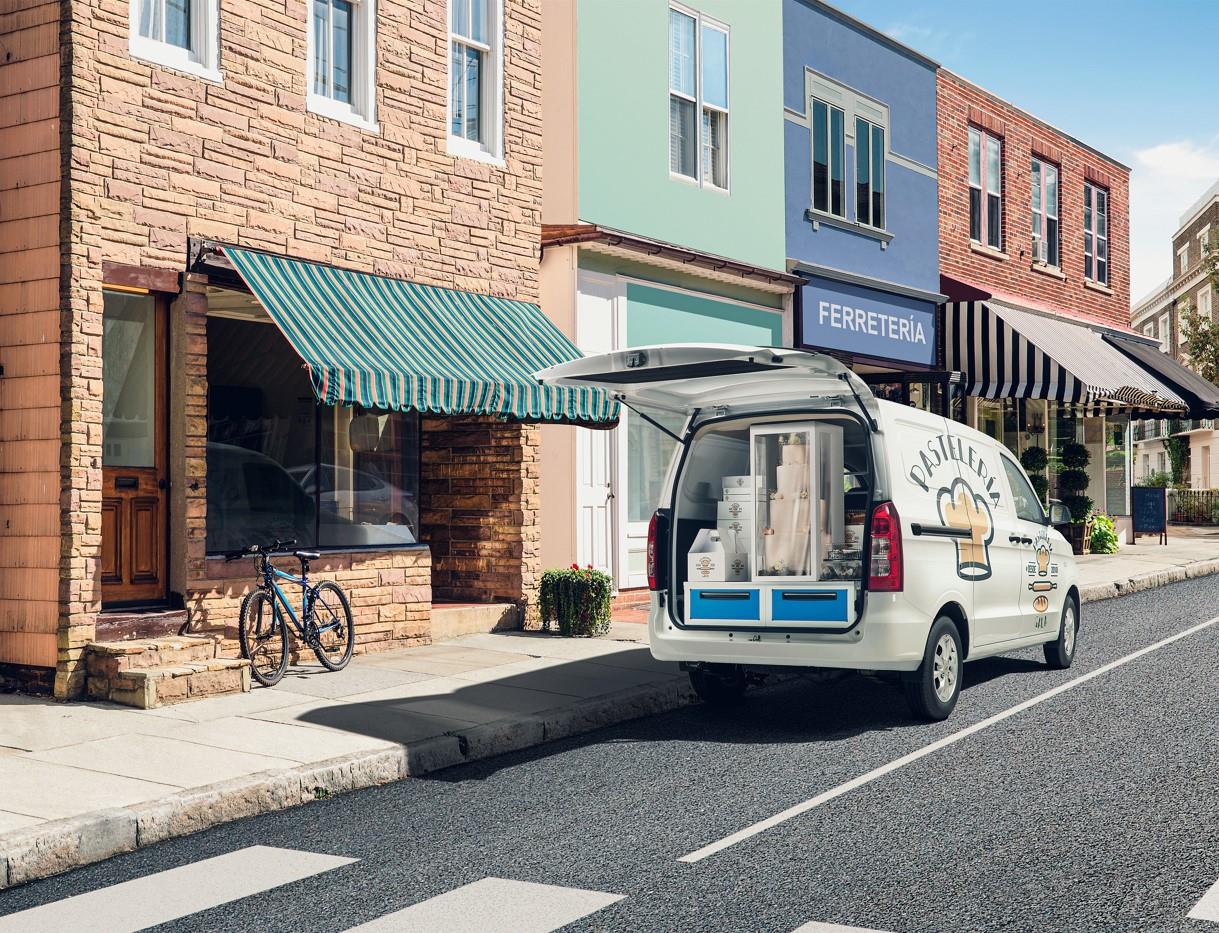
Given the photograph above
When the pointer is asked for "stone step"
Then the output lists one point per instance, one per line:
(450, 620)
(167, 684)
(108, 658)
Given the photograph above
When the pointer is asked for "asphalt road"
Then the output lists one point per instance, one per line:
(1096, 808)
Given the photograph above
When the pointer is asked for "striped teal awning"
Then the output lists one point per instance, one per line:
(385, 343)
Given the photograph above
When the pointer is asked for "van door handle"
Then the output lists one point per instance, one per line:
(1015, 539)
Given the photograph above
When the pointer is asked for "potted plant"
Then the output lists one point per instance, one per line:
(1073, 481)
(1104, 534)
(577, 600)
(1034, 460)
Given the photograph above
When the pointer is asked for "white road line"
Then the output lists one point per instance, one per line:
(494, 905)
(815, 927)
(1208, 907)
(175, 893)
(749, 831)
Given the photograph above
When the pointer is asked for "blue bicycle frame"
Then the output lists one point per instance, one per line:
(271, 574)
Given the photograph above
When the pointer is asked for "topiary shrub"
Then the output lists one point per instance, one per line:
(1075, 456)
(1034, 459)
(1072, 481)
(1041, 485)
(577, 599)
(1079, 507)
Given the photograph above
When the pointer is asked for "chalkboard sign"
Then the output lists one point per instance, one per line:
(1150, 508)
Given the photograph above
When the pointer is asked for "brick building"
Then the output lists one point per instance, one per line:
(1161, 315)
(1035, 261)
(154, 409)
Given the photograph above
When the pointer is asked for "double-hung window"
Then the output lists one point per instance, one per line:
(1204, 242)
(180, 34)
(475, 78)
(698, 98)
(985, 189)
(1045, 212)
(869, 173)
(1204, 302)
(1096, 234)
(342, 59)
(1183, 259)
(829, 154)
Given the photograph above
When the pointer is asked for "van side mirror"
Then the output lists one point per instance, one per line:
(1059, 514)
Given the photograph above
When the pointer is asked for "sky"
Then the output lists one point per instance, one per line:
(1136, 79)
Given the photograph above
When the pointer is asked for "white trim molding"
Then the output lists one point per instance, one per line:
(489, 146)
(361, 110)
(200, 58)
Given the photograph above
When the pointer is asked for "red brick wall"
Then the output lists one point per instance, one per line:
(961, 104)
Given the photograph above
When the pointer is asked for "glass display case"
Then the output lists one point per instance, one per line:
(797, 490)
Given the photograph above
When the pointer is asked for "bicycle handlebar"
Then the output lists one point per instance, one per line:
(253, 549)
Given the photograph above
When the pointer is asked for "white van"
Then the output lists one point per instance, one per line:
(805, 523)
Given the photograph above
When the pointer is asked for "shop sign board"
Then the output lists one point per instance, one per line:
(868, 321)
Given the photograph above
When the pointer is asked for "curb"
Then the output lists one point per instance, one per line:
(61, 845)
(1147, 581)
(58, 846)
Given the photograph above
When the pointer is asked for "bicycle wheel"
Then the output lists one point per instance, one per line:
(264, 638)
(330, 622)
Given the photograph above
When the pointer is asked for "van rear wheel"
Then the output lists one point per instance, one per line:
(933, 689)
(719, 687)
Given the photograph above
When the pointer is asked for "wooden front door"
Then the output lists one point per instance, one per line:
(134, 479)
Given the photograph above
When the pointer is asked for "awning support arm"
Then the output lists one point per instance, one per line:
(862, 407)
(648, 418)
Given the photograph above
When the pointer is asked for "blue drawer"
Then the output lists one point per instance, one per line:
(727, 605)
(795, 604)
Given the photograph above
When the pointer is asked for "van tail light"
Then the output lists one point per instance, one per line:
(885, 574)
(658, 550)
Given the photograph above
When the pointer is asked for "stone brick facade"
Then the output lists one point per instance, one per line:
(480, 495)
(152, 157)
(1012, 271)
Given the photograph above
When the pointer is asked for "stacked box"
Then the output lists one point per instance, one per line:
(711, 561)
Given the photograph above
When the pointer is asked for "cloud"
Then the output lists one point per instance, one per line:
(943, 45)
(1166, 180)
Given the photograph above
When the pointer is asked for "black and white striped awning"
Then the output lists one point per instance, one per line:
(1005, 352)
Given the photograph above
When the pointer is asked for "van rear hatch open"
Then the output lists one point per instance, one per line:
(685, 378)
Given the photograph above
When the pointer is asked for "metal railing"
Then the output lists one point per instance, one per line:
(1193, 506)
(1152, 428)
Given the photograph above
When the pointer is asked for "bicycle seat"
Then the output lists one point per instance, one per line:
(306, 555)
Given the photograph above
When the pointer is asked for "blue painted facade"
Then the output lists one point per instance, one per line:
(879, 275)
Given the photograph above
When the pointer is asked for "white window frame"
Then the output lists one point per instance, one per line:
(1183, 259)
(1043, 216)
(1204, 242)
(984, 185)
(1205, 308)
(362, 110)
(491, 147)
(1163, 334)
(202, 59)
(1149, 329)
(835, 153)
(884, 166)
(1091, 194)
(703, 178)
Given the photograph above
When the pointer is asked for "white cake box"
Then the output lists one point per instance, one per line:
(709, 562)
(737, 535)
(742, 483)
(734, 510)
(738, 495)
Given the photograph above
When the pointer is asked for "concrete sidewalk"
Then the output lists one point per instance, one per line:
(80, 782)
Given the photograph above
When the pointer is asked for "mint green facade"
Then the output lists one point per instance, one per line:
(662, 315)
(623, 131)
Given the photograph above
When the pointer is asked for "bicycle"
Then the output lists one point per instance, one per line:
(324, 624)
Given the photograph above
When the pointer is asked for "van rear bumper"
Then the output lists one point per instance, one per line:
(891, 637)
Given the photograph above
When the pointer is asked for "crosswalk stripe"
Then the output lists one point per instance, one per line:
(815, 927)
(1208, 907)
(174, 893)
(494, 905)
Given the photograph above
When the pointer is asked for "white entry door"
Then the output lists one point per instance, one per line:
(597, 310)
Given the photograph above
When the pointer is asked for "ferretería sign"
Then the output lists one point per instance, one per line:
(868, 321)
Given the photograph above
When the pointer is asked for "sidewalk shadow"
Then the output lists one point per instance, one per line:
(825, 707)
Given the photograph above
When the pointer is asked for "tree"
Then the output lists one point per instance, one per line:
(1200, 333)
